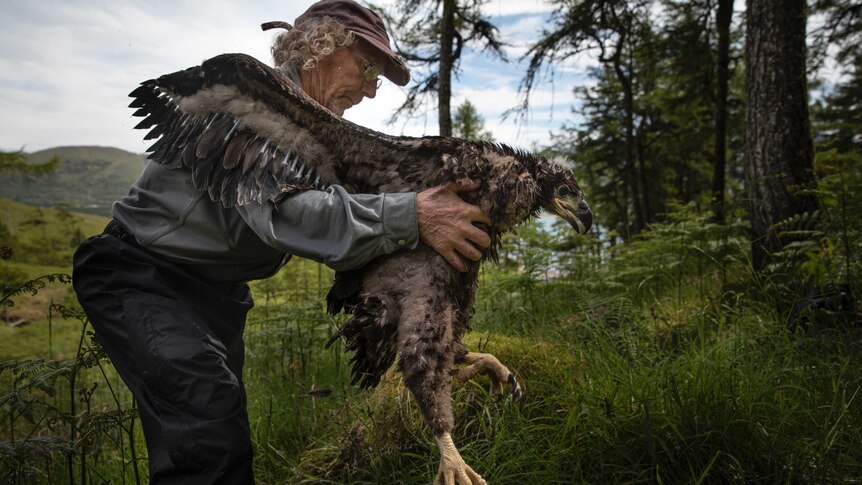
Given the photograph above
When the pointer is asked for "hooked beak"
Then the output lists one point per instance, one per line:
(576, 212)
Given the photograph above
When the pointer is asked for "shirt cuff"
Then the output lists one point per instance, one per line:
(399, 219)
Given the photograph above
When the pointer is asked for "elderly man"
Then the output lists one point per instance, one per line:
(165, 284)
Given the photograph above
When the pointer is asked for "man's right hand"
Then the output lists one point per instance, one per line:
(446, 223)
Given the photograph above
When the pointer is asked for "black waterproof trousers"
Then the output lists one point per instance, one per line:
(176, 340)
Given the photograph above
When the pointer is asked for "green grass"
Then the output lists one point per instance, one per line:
(740, 402)
(648, 369)
(43, 236)
(44, 241)
(57, 339)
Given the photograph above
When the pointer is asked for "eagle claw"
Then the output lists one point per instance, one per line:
(514, 388)
(478, 363)
(453, 469)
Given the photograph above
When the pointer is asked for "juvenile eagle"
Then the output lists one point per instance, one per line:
(248, 133)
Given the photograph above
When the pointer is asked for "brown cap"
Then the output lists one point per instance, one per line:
(365, 24)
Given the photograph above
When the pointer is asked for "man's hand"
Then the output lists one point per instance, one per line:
(446, 223)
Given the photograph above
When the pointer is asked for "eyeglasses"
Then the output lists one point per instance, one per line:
(370, 73)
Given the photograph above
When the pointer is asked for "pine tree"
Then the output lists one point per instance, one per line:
(431, 36)
(779, 151)
(724, 15)
(469, 124)
(841, 28)
(611, 29)
(838, 116)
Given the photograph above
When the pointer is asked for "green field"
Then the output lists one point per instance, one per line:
(44, 241)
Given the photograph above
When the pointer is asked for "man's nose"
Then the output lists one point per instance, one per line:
(369, 89)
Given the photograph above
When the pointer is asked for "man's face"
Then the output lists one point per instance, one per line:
(339, 83)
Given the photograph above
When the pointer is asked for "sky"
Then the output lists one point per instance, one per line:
(67, 66)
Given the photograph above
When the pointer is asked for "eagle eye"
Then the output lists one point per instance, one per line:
(563, 191)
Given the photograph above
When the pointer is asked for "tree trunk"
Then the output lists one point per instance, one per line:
(444, 95)
(629, 109)
(626, 230)
(640, 137)
(778, 147)
(723, 19)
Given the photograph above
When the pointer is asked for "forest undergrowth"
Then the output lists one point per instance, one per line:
(664, 360)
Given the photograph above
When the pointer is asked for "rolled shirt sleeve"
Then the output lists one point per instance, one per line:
(343, 231)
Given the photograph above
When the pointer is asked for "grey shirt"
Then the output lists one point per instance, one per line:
(168, 215)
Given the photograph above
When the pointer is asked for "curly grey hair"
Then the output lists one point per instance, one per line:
(308, 43)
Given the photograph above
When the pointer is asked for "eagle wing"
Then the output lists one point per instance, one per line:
(246, 132)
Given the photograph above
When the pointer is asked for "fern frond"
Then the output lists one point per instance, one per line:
(805, 221)
(97, 424)
(38, 373)
(33, 286)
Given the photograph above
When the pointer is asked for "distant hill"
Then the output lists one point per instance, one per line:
(88, 179)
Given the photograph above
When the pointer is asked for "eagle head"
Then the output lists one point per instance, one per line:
(563, 196)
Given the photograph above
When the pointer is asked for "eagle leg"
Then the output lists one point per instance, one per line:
(427, 342)
(453, 470)
(479, 363)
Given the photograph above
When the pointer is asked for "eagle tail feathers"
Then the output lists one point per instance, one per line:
(371, 333)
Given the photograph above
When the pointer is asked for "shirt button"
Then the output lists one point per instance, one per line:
(401, 242)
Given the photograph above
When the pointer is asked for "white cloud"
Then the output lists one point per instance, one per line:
(66, 67)
(526, 29)
(500, 7)
(516, 7)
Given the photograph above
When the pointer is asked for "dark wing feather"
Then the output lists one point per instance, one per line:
(344, 292)
(202, 120)
(372, 337)
(235, 150)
